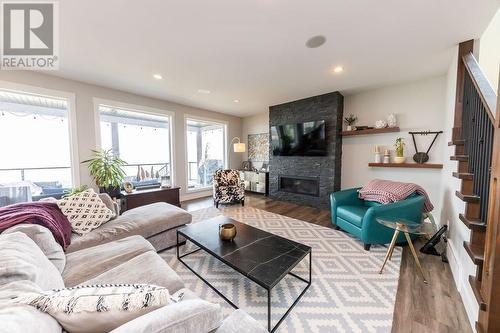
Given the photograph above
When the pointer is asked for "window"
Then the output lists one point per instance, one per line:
(35, 147)
(206, 145)
(141, 139)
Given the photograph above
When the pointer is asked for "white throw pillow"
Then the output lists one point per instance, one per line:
(100, 308)
(85, 211)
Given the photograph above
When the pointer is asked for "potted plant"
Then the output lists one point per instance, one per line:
(349, 121)
(400, 145)
(106, 168)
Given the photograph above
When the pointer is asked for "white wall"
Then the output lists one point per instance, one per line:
(256, 124)
(418, 106)
(489, 51)
(86, 123)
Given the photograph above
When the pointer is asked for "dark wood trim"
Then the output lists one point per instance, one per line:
(371, 131)
(463, 49)
(489, 320)
(483, 87)
(406, 165)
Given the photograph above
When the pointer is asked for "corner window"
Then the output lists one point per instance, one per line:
(206, 144)
(35, 147)
(141, 139)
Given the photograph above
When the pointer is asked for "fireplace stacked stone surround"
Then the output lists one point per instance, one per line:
(326, 169)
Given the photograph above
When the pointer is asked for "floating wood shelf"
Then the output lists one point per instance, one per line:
(406, 165)
(370, 131)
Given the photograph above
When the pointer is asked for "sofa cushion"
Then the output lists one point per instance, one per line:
(103, 257)
(98, 308)
(147, 268)
(240, 322)
(85, 211)
(45, 241)
(352, 214)
(20, 317)
(186, 316)
(145, 221)
(22, 259)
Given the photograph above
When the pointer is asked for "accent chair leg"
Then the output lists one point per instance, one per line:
(243, 203)
(367, 247)
(216, 204)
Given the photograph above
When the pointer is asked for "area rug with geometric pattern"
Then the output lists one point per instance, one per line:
(347, 293)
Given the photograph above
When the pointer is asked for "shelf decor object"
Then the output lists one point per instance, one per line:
(421, 157)
(407, 165)
(370, 131)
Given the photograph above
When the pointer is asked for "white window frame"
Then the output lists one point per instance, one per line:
(72, 124)
(219, 122)
(138, 109)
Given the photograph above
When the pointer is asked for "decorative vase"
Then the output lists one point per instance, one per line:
(378, 157)
(380, 124)
(391, 120)
(227, 231)
(399, 159)
(348, 128)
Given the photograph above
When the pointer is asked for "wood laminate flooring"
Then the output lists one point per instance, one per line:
(420, 308)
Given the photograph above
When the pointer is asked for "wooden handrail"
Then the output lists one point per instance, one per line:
(483, 87)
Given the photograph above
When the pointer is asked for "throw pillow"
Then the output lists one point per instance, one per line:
(99, 308)
(85, 211)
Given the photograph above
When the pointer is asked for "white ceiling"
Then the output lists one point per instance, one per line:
(254, 50)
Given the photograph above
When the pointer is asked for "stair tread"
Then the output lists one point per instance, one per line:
(475, 252)
(471, 198)
(459, 157)
(463, 175)
(473, 224)
(476, 288)
(456, 143)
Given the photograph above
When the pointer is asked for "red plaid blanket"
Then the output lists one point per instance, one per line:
(387, 191)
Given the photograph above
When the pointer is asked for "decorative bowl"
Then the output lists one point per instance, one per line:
(227, 231)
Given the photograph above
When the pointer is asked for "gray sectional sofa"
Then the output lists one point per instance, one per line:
(31, 260)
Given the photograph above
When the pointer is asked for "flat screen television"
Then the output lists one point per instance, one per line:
(302, 139)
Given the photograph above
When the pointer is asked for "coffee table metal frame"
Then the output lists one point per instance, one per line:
(268, 289)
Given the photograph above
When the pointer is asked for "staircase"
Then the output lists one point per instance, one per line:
(473, 137)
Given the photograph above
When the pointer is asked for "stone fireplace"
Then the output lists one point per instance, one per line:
(308, 180)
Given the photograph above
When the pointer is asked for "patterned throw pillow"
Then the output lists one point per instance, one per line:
(100, 308)
(85, 211)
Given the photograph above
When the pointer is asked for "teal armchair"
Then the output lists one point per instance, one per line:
(358, 217)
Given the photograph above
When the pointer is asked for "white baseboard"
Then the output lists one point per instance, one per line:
(463, 287)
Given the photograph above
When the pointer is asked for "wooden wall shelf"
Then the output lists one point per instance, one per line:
(370, 131)
(406, 165)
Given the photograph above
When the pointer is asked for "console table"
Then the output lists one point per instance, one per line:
(145, 197)
(255, 181)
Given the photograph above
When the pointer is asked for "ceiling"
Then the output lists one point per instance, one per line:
(254, 51)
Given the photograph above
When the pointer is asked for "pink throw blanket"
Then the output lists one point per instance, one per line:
(46, 214)
(386, 191)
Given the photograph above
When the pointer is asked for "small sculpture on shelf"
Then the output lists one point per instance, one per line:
(392, 121)
(380, 124)
(400, 145)
(387, 156)
(350, 121)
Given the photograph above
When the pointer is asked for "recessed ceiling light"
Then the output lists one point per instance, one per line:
(158, 76)
(315, 41)
(204, 91)
(236, 100)
(338, 69)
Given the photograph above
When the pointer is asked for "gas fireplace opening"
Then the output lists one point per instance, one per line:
(299, 185)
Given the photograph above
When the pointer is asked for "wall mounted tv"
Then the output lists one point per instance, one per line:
(302, 139)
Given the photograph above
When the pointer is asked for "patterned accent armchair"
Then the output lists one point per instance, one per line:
(228, 188)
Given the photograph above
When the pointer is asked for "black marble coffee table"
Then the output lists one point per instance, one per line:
(262, 257)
